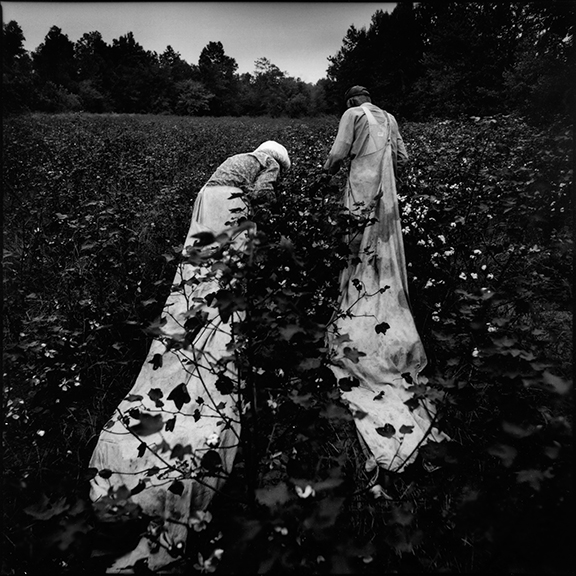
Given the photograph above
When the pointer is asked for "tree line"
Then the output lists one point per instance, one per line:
(93, 76)
(422, 60)
(447, 59)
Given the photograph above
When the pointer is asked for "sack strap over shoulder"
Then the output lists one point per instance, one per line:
(382, 130)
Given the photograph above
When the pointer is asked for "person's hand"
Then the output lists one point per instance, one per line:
(319, 185)
(263, 197)
(324, 179)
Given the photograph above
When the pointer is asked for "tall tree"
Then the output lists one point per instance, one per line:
(385, 58)
(54, 59)
(178, 68)
(192, 98)
(394, 52)
(450, 58)
(541, 81)
(269, 87)
(218, 74)
(349, 66)
(133, 75)
(91, 53)
(179, 82)
(17, 81)
(92, 60)
(247, 99)
(467, 48)
(12, 43)
(318, 98)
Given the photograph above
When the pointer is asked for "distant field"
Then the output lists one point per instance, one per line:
(94, 207)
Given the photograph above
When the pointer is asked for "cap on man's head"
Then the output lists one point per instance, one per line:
(356, 91)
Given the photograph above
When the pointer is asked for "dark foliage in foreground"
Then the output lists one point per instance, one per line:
(95, 208)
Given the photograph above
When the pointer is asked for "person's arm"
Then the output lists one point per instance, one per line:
(399, 153)
(263, 187)
(342, 144)
(402, 153)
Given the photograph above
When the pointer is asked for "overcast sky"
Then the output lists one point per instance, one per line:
(297, 37)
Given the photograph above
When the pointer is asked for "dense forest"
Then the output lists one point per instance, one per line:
(422, 60)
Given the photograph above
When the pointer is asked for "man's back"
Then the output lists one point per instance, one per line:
(354, 133)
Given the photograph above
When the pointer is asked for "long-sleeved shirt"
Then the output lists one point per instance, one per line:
(353, 134)
(254, 172)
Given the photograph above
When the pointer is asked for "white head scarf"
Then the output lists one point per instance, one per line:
(277, 151)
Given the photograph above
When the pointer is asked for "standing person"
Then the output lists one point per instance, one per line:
(173, 439)
(374, 339)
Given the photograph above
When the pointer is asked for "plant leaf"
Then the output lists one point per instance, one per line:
(346, 384)
(506, 453)
(176, 488)
(224, 384)
(211, 461)
(149, 424)
(169, 427)
(387, 430)
(353, 354)
(288, 331)
(382, 328)
(155, 394)
(45, 509)
(273, 496)
(156, 361)
(138, 488)
(180, 396)
(555, 383)
(179, 451)
(310, 364)
(204, 238)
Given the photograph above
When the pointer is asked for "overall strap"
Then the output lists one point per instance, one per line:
(371, 120)
(377, 130)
